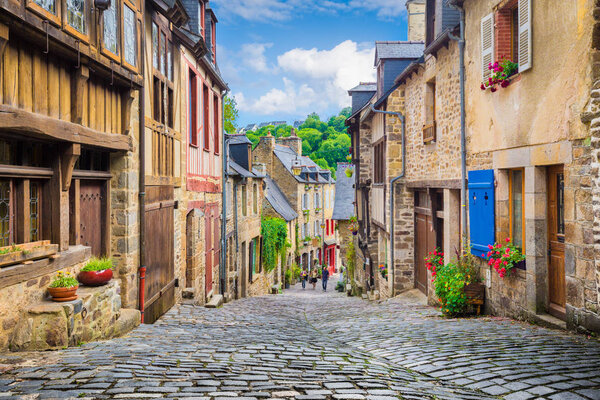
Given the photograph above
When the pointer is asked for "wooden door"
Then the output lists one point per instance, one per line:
(243, 274)
(425, 238)
(159, 252)
(556, 242)
(92, 205)
(190, 253)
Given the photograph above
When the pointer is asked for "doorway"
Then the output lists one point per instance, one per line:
(425, 237)
(556, 242)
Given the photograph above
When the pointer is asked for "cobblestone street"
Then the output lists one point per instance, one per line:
(310, 345)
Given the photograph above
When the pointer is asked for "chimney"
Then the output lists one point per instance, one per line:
(416, 20)
(261, 168)
(292, 141)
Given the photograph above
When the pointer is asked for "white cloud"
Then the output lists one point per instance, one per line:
(315, 80)
(282, 10)
(253, 55)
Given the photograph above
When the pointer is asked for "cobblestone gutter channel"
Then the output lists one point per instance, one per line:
(308, 345)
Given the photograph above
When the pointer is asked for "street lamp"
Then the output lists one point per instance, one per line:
(296, 167)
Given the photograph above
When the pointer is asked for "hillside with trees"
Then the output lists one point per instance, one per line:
(325, 142)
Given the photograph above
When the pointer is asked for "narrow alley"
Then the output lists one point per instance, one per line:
(310, 345)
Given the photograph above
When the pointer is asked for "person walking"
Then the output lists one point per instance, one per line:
(303, 277)
(314, 277)
(324, 277)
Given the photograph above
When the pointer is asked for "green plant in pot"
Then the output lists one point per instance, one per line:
(97, 272)
(63, 287)
(288, 278)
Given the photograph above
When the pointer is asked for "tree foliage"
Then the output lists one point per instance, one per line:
(274, 233)
(231, 115)
(326, 143)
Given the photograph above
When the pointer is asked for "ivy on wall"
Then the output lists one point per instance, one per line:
(274, 234)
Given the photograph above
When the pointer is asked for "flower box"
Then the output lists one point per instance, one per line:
(61, 294)
(16, 254)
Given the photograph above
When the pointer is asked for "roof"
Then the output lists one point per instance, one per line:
(409, 70)
(237, 139)
(398, 49)
(364, 87)
(236, 169)
(343, 207)
(278, 201)
(287, 156)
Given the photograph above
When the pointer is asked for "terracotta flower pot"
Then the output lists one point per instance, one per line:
(95, 278)
(63, 294)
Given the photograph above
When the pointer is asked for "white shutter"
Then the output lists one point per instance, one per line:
(525, 61)
(487, 45)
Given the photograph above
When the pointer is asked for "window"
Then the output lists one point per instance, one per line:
(162, 68)
(193, 109)
(305, 201)
(130, 46)
(255, 199)
(6, 212)
(201, 16)
(379, 162)
(206, 106)
(516, 190)
(244, 201)
(317, 228)
(229, 198)
(110, 36)
(317, 203)
(76, 15)
(506, 33)
(216, 122)
(429, 130)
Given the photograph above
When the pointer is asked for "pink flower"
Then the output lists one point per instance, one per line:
(482, 255)
(493, 89)
(503, 270)
(482, 86)
(505, 84)
(490, 246)
(507, 250)
(508, 240)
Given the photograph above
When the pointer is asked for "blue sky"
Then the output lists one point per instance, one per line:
(286, 58)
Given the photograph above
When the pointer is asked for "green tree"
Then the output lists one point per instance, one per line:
(231, 114)
(334, 150)
(312, 136)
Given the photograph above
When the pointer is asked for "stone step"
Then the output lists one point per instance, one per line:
(549, 321)
(215, 302)
(188, 293)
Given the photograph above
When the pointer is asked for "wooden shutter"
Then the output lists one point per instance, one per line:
(524, 35)
(481, 210)
(487, 45)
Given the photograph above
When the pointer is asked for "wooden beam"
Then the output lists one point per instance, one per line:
(68, 157)
(18, 121)
(3, 38)
(79, 78)
(126, 112)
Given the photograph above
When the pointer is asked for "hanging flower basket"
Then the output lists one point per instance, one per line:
(503, 257)
(349, 172)
(501, 73)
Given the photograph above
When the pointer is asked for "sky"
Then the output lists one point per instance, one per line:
(284, 59)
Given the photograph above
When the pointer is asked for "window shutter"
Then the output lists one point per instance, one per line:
(481, 210)
(487, 45)
(524, 35)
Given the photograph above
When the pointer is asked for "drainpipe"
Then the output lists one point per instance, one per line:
(142, 182)
(224, 152)
(392, 182)
(237, 242)
(463, 146)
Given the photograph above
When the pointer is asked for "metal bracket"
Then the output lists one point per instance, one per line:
(78, 55)
(112, 73)
(45, 22)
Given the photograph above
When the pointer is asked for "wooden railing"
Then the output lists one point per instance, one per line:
(429, 132)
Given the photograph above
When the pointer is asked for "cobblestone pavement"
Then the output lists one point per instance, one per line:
(310, 345)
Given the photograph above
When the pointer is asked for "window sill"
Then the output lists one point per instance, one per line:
(193, 145)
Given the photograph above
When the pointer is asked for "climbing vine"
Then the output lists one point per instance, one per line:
(274, 234)
(350, 256)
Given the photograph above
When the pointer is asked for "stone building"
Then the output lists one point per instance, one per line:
(245, 186)
(534, 141)
(416, 21)
(304, 184)
(343, 209)
(69, 140)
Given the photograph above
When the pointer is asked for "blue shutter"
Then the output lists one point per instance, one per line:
(481, 210)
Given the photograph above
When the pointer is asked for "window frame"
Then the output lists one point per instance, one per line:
(103, 49)
(165, 85)
(206, 115)
(192, 108)
(244, 200)
(137, 18)
(511, 222)
(55, 19)
(84, 37)
(216, 123)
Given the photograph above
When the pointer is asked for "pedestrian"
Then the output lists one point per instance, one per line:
(314, 277)
(303, 277)
(324, 277)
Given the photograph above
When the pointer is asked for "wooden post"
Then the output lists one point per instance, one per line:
(3, 38)
(79, 78)
(22, 212)
(68, 158)
(126, 101)
(74, 214)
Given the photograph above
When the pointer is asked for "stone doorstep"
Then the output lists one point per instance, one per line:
(548, 321)
(215, 301)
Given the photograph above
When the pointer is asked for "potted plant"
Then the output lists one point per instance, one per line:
(353, 226)
(288, 278)
(349, 172)
(97, 272)
(501, 73)
(503, 257)
(383, 270)
(306, 212)
(457, 284)
(63, 287)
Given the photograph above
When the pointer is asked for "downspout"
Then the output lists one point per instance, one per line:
(392, 182)
(142, 183)
(225, 150)
(463, 145)
(237, 242)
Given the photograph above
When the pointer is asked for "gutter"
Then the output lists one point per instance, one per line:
(142, 182)
(224, 150)
(463, 146)
(392, 182)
